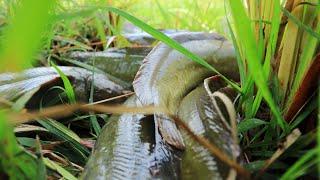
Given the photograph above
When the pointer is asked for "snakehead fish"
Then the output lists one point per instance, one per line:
(166, 75)
(126, 149)
(201, 115)
(15, 85)
(122, 63)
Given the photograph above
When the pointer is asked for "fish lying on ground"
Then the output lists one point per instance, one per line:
(15, 85)
(166, 75)
(126, 149)
(121, 63)
(199, 112)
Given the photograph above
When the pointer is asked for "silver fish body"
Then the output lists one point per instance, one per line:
(166, 75)
(119, 63)
(14, 85)
(126, 149)
(198, 111)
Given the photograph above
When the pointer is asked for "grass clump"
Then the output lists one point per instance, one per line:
(277, 45)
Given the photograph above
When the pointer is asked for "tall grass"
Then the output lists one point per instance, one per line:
(265, 50)
(258, 32)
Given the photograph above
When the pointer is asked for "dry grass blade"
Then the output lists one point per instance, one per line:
(47, 147)
(290, 49)
(113, 98)
(231, 112)
(60, 160)
(120, 109)
(291, 138)
(284, 20)
(28, 128)
(56, 111)
(66, 110)
(56, 167)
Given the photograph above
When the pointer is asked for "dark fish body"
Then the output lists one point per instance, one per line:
(126, 149)
(121, 63)
(198, 111)
(166, 75)
(14, 85)
(140, 38)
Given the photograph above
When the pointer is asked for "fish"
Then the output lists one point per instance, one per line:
(127, 149)
(200, 114)
(166, 75)
(15, 85)
(139, 38)
(120, 63)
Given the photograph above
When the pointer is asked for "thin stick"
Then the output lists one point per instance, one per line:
(111, 99)
(66, 110)
(291, 138)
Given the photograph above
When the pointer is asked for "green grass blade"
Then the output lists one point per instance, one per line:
(72, 41)
(246, 36)
(259, 134)
(155, 33)
(97, 70)
(271, 48)
(305, 60)
(65, 134)
(170, 42)
(67, 84)
(248, 124)
(100, 30)
(300, 24)
(23, 36)
(41, 173)
(242, 71)
(56, 167)
(164, 13)
(15, 162)
(292, 171)
(306, 111)
(93, 118)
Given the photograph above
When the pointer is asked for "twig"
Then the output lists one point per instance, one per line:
(66, 110)
(111, 99)
(291, 138)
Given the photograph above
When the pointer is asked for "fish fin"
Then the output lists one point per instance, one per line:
(169, 131)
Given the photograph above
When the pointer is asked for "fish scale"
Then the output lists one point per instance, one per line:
(197, 161)
(14, 85)
(166, 75)
(124, 151)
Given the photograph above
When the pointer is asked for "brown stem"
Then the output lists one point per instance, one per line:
(308, 85)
